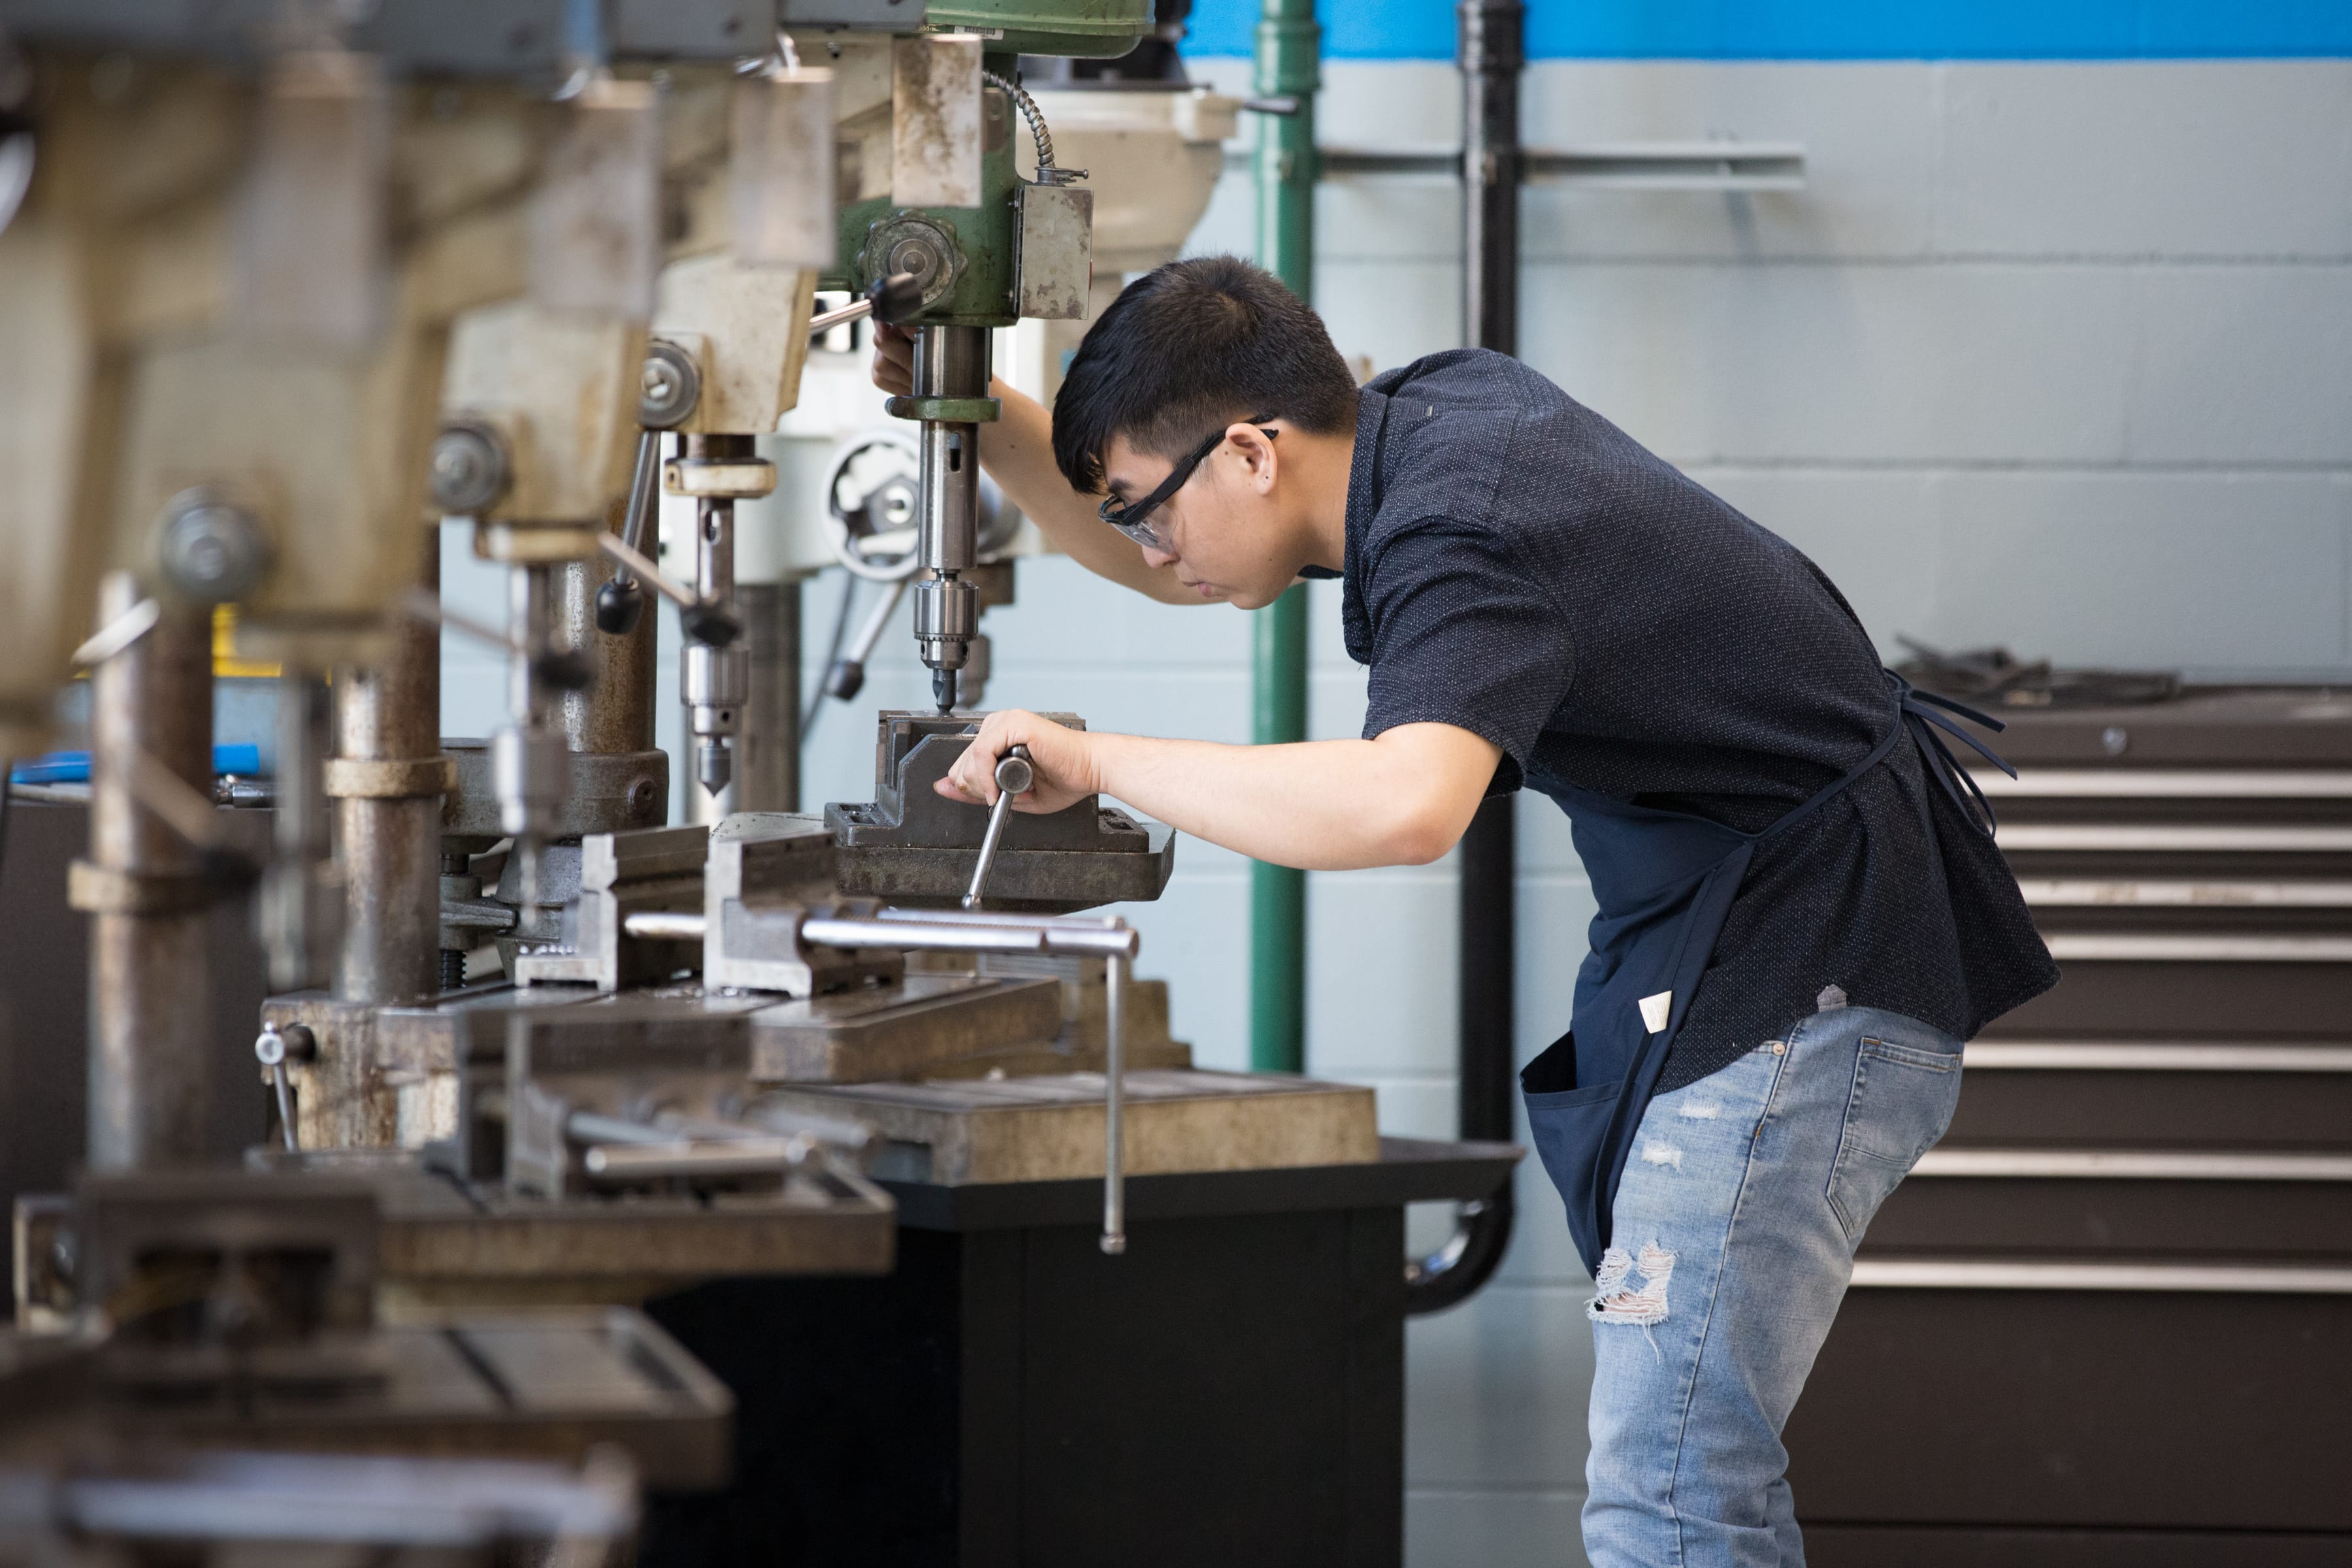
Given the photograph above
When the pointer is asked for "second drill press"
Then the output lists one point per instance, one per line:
(984, 247)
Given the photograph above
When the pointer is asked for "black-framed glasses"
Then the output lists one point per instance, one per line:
(1135, 520)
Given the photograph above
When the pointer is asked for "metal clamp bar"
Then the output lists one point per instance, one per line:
(694, 1157)
(2156, 839)
(2127, 947)
(1113, 1231)
(954, 936)
(2119, 892)
(2140, 1055)
(2168, 783)
(2133, 1164)
(1989, 1274)
(998, 917)
(667, 925)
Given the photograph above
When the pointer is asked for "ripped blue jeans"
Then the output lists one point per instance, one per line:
(1733, 1240)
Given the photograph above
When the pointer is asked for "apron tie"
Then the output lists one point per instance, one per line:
(1918, 710)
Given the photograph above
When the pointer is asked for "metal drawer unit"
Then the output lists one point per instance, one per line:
(2109, 1318)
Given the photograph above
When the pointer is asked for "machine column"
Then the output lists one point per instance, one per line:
(149, 982)
(386, 782)
(616, 712)
(768, 768)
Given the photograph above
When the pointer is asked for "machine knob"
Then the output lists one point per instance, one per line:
(211, 551)
(468, 468)
(619, 603)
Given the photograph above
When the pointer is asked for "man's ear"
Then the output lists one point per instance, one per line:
(1259, 463)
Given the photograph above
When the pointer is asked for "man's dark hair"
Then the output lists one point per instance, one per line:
(1186, 350)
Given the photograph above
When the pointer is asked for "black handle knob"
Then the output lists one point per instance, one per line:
(844, 679)
(618, 605)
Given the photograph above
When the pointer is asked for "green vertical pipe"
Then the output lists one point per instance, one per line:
(1289, 46)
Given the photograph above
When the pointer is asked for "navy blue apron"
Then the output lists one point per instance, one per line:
(1665, 880)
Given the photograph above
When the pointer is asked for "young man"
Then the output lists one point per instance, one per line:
(1801, 916)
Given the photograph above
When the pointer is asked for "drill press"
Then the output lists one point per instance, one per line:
(984, 248)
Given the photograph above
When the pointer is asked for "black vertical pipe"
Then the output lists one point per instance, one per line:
(1493, 55)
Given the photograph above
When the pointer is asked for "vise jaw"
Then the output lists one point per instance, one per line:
(912, 846)
(767, 870)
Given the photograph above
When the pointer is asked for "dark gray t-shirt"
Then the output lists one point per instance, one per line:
(1520, 567)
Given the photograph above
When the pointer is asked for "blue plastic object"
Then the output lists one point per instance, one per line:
(73, 767)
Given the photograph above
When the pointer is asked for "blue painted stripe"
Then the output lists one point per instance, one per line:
(1826, 29)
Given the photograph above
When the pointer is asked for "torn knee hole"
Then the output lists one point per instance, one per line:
(1618, 1301)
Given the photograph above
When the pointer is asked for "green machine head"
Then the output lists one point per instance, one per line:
(984, 246)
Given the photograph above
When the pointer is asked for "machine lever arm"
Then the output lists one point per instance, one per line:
(274, 1048)
(620, 600)
(703, 620)
(890, 301)
(1013, 777)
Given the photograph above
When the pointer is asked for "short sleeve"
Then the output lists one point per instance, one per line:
(1461, 635)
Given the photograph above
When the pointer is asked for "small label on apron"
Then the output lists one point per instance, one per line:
(1654, 1010)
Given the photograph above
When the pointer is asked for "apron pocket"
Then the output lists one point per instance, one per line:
(1569, 1126)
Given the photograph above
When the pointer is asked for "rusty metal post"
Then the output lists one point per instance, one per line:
(150, 983)
(616, 712)
(386, 782)
(767, 771)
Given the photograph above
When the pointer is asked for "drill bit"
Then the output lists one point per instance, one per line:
(714, 764)
(943, 690)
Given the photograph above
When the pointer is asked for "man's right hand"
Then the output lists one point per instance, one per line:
(894, 360)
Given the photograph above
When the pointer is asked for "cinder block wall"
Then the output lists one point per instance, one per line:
(2054, 353)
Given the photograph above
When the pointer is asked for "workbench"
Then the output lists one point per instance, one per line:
(1230, 1391)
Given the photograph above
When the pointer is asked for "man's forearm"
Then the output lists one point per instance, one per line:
(1017, 450)
(1320, 806)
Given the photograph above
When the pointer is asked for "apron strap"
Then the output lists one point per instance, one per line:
(1918, 712)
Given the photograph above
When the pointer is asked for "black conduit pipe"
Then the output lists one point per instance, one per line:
(1493, 55)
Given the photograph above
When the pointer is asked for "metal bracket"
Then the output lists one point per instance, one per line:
(408, 778)
(1694, 165)
(946, 410)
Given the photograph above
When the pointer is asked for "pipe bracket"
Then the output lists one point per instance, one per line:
(96, 889)
(405, 778)
(946, 410)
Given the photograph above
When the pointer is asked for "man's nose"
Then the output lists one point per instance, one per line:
(1155, 558)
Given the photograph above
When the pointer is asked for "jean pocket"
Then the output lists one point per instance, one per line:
(1902, 1101)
